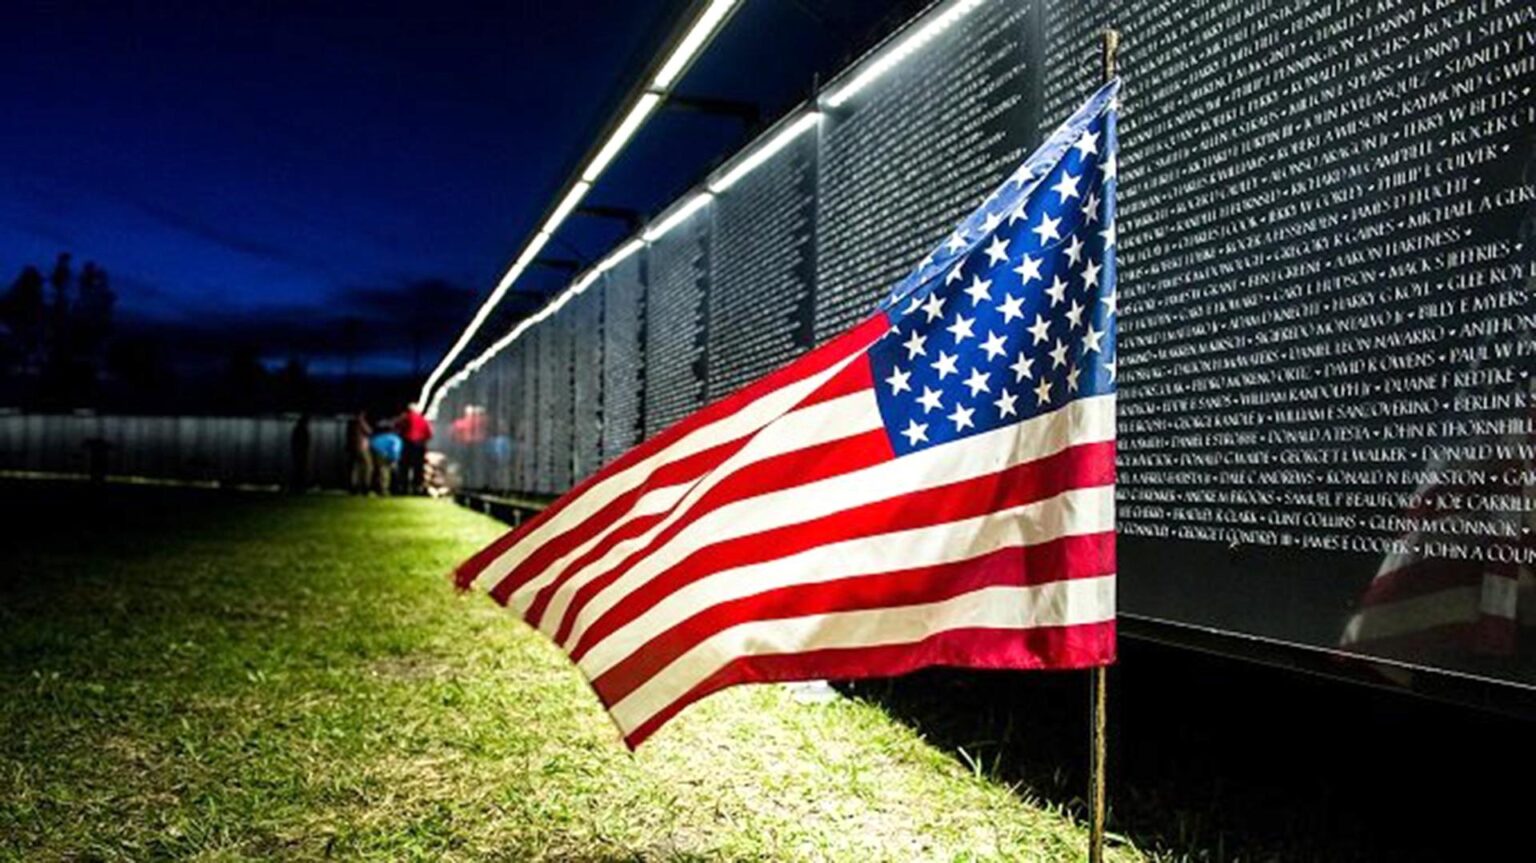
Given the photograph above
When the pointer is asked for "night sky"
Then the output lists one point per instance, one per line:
(265, 175)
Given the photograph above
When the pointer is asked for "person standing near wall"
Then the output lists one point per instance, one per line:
(385, 447)
(359, 454)
(415, 432)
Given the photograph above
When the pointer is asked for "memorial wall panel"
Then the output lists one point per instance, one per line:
(565, 470)
(763, 269)
(474, 472)
(916, 151)
(450, 440)
(490, 401)
(1073, 64)
(623, 355)
(493, 427)
(586, 315)
(560, 355)
(675, 322)
(1326, 273)
(538, 421)
(525, 431)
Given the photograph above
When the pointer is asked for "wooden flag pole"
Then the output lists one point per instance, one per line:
(1097, 693)
(1099, 690)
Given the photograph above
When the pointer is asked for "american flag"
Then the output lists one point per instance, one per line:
(934, 487)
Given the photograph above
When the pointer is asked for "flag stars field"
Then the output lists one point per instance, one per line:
(1061, 315)
(1075, 315)
(931, 400)
(1049, 229)
(1028, 269)
(994, 346)
(914, 345)
(997, 250)
(1057, 291)
(1021, 367)
(979, 290)
(1012, 308)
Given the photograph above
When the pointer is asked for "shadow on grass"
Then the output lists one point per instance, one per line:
(1219, 760)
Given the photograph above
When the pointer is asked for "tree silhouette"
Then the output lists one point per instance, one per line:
(91, 314)
(56, 339)
(23, 312)
(58, 313)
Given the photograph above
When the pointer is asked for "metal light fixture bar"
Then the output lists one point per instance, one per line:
(692, 43)
(624, 251)
(572, 198)
(681, 54)
(631, 124)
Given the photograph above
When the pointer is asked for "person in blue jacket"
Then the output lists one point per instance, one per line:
(385, 446)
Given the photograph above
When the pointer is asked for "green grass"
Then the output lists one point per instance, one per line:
(195, 675)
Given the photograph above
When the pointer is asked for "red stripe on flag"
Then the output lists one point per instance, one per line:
(685, 470)
(830, 459)
(809, 365)
(1085, 556)
(1068, 647)
(1082, 466)
(853, 379)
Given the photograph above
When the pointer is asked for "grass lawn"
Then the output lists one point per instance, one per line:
(194, 674)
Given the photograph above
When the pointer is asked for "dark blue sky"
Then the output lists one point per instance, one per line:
(261, 174)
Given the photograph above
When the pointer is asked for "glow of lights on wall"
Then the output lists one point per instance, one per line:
(842, 89)
(683, 53)
(891, 56)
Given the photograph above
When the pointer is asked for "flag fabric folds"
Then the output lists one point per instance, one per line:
(934, 487)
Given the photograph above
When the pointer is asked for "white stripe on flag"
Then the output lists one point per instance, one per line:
(1058, 603)
(1072, 513)
(845, 416)
(653, 502)
(1088, 420)
(751, 417)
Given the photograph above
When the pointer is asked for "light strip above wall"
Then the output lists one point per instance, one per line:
(889, 57)
(581, 284)
(627, 129)
(572, 198)
(677, 217)
(756, 158)
(681, 55)
(689, 48)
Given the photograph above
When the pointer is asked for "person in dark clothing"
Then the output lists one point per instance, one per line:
(359, 454)
(415, 431)
(299, 455)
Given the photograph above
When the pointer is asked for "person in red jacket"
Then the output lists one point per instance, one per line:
(416, 431)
